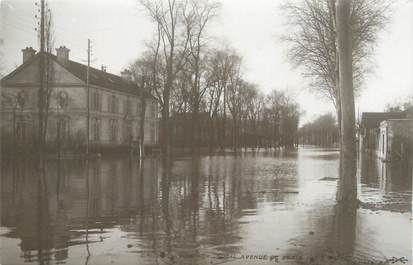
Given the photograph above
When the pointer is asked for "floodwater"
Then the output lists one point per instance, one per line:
(254, 208)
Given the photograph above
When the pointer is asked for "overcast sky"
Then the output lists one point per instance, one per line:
(119, 29)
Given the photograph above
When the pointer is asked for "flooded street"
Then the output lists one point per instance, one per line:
(254, 208)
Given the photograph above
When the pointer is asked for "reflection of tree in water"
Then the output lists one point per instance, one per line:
(330, 238)
(197, 212)
(193, 213)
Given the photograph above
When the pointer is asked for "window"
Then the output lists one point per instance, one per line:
(96, 101)
(63, 129)
(114, 104)
(138, 107)
(21, 99)
(109, 103)
(127, 107)
(62, 99)
(96, 129)
(127, 131)
(113, 129)
(20, 131)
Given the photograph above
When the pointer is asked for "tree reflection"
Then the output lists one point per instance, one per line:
(43, 228)
(185, 211)
(344, 229)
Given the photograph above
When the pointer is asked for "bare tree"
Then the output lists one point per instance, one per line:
(274, 103)
(197, 17)
(49, 79)
(222, 64)
(347, 188)
(314, 47)
(168, 17)
(321, 132)
(143, 73)
(46, 72)
(233, 98)
(255, 112)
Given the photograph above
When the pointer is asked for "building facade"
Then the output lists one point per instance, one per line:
(115, 106)
(396, 139)
(369, 131)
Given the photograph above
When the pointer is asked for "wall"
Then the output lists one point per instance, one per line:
(396, 139)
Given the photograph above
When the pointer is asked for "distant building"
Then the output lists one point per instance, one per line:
(396, 139)
(181, 129)
(370, 128)
(114, 105)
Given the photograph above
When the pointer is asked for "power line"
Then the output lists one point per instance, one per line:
(21, 28)
(18, 22)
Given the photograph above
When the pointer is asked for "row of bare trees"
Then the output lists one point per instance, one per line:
(323, 131)
(187, 74)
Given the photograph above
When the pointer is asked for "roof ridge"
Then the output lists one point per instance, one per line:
(97, 77)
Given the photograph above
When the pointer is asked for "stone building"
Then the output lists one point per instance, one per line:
(115, 106)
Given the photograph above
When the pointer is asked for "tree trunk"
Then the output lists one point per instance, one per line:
(211, 133)
(142, 127)
(224, 122)
(165, 128)
(194, 128)
(347, 190)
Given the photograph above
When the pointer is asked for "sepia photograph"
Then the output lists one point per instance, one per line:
(206, 132)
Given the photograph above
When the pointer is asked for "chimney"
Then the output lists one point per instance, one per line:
(28, 53)
(126, 74)
(62, 54)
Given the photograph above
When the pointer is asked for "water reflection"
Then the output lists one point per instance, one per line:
(386, 185)
(191, 210)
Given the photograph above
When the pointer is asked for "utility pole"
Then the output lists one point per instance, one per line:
(87, 97)
(41, 79)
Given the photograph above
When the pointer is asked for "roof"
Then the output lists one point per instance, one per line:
(389, 121)
(96, 77)
(373, 119)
